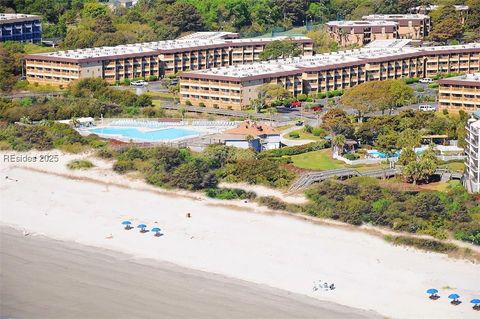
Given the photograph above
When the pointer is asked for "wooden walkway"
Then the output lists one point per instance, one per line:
(310, 178)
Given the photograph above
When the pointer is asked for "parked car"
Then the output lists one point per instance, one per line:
(299, 123)
(317, 109)
(139, 83)
(295, 104)
(426, 80)
(427, 108)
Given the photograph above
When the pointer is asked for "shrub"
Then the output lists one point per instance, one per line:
(188, 102)
(122, 167)
(215, 106)
(422, 243)
(307, 128)
(319, 132)
(294, 134)
(272, 202)
(321, 95)
(152, 78)
(201, 104)
(294, 150)
(229, 193)
(433, 85)
(80, 164)
(351, 156)
(105, 153)
(302, 97)
(411, 80)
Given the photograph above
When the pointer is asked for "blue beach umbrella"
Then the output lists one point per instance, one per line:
(156, 230)
(127, 224)
(432, 291)
(453, 297)
(475, 301)
(142, 227)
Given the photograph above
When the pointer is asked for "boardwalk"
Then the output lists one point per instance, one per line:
(310, 178)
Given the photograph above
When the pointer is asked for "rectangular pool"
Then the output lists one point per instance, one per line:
(131, 133)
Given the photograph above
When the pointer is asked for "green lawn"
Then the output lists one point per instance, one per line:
(303, 136)
(317, 160)
(454, 166)
(322, 160)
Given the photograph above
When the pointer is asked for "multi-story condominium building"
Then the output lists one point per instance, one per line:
(20, 27)
(361, 32)
(410, 26)
(460, 92)
(462, 10)
(472, 150)
(145, 59)
(237, 86)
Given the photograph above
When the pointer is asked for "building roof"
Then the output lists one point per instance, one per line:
(395, 17)
(210, 35)
(326, 61)
(158, 47)
(253, 129)
(389, 43)
(17, 17)
(360, 23)
(435, 7)
(468, 79)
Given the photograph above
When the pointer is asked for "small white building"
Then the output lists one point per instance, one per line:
(250, 134)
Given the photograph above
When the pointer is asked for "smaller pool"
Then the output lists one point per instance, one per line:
(377, 154)
(130, 133)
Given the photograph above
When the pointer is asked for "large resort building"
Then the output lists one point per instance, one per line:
(20, 27)
(410, 26)
(361, 32)
(472, 150)
(142, 60)
(236, 87)
(460, 92)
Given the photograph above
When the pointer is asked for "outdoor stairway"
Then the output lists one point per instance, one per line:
(308, 179)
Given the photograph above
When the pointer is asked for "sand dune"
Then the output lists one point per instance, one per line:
(272, 250)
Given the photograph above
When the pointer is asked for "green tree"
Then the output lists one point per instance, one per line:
(446, 30)
(338, 143)
(280, 49)
(387, 142)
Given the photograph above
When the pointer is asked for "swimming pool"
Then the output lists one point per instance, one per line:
(377, 154)
(131, 133)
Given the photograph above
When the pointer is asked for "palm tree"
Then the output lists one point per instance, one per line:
(338, 142)
(25, 120)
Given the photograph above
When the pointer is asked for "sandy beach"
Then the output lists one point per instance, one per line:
(68, 280)
(243, 243)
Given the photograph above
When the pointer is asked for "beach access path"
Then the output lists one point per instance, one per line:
(232, 239)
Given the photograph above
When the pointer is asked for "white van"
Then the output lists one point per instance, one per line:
(139, 83)
(426, 80)
(426, 108)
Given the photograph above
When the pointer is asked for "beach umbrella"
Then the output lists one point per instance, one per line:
(453, 297)
(475, 301)
(156, 230)
(432, 291)
(127, 224)
(142, 227)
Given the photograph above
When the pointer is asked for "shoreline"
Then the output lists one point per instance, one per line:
(83, 278)
(266, 248)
